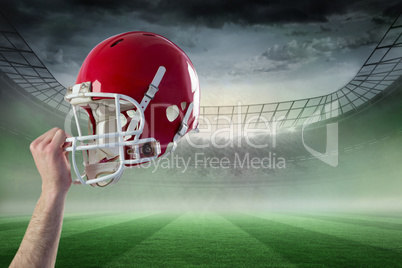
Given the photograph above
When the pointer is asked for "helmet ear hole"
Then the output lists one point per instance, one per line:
(183, 105)
(172, 112)
(123, 119)
(131, 113)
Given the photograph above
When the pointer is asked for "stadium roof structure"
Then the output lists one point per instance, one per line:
(28, 75)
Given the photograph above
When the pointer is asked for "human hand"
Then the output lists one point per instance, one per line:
(52, 161)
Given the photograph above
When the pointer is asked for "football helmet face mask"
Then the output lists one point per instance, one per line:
(141, 94)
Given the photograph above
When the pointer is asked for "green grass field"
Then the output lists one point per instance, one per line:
(154, 239)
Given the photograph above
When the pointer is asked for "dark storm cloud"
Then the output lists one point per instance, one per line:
(61, 20)
(62, 32)
(209, 13)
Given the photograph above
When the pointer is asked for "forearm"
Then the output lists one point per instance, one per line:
(40, 243)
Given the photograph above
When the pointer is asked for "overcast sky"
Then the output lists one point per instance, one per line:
(249, 51)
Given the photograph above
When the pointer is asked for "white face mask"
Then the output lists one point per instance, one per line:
(105, 153)
(108, 151)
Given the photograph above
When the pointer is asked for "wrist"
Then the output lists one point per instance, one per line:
(51, 201)
(55, 187)
(51, 195)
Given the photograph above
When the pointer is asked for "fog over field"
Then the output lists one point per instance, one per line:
(240, 174)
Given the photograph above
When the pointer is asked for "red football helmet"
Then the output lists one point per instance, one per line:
(141, 94)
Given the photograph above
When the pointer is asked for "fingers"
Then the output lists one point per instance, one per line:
(42, 139)
(47, 136)
(59, 138)
(66, 145)
(56, 136)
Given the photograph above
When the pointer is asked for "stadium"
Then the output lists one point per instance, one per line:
(309, 182)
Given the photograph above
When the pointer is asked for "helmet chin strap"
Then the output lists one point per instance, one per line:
(94, 170)
(184, 126)
(153, 88)
(96, 167)
(180, 133)
(149, 96)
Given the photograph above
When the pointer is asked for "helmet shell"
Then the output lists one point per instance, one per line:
(127, 63)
